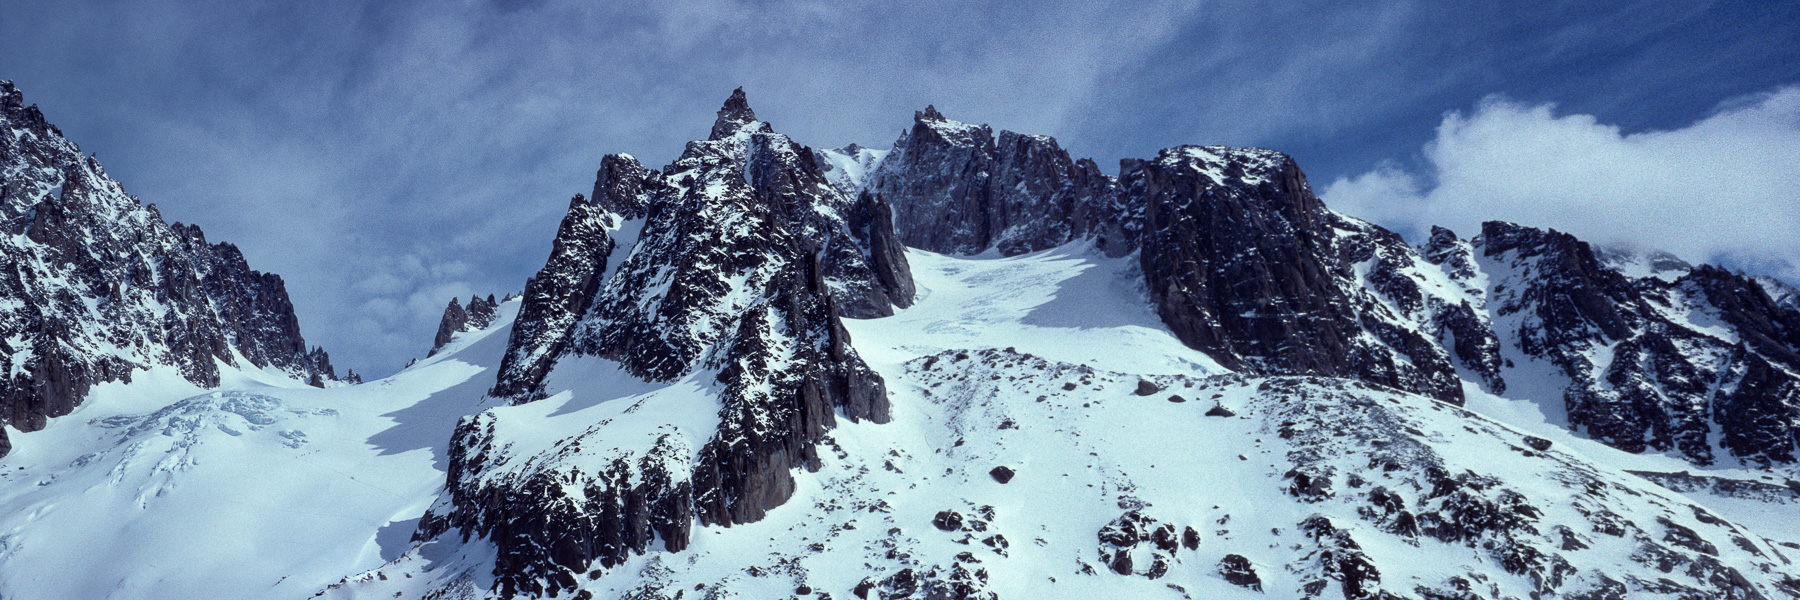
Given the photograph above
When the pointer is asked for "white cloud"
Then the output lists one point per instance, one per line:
(1726, 187)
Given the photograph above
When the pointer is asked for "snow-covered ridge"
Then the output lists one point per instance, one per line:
(100, 288)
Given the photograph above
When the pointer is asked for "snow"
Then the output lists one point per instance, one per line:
(1070, 304)
(849, 168)
(262, 488)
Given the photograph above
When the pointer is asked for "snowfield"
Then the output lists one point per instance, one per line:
(262, 488)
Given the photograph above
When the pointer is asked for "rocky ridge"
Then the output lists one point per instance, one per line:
(743, 256)
(458, 319)
(1244, 262)
(99, 287)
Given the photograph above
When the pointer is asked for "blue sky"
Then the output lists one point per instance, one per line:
(383, 156)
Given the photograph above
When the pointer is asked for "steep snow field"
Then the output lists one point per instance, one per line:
(262, 488)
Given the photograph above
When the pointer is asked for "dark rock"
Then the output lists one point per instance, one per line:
(1136, 533)
(1001, 474)
(1177, 399)
(1146, 387)
(958, 190)
(455, 319)
(1238, 571)
(458, 319)
(1242, 262)
(1219, 411)
(1654, 393)
(1537, 443)
(734, 116)
(947, 520)
(1685, 537)
(555, 299)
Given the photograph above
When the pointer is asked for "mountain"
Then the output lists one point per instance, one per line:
(98, 288)
(973, 367)
(1189, 380)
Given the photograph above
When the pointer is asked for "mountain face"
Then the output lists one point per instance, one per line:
(685, 358)
(1651, 363)
(970, 367)
(98, 287)
(744, 258)
(1243, 262)
(961, 191)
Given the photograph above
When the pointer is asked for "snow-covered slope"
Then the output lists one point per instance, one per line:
(1133, 467)
(260, 488)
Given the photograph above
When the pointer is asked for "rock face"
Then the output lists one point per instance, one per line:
(457, 319)
(1652, 363)
(98, 286)
(958, 190)
(1245, 264)
(1241, 258)
(742, 258)
(706, 300)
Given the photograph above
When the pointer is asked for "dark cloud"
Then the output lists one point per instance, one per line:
(383, 156)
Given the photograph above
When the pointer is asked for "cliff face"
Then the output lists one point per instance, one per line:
(1652, 363)
(1244, 263)
(959, 190)
(98, 286)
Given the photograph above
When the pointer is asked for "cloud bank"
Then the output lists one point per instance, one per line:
(1725, 188)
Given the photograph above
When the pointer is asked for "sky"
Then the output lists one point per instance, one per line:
(385, 156)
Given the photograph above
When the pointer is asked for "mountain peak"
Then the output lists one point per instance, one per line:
(733, 116)
(931, 114)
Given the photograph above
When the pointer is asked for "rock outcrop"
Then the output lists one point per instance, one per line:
(457, 319)
(98, 286)
(959, 190)
(1243, 262)
(1652, 363)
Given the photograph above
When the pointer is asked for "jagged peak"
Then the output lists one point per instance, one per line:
(619, 185)
(1251, 165)
(734, 116)
(956, 132)
(10, 96)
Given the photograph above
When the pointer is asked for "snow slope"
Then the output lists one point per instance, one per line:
(261, 488)
(1050, 364)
